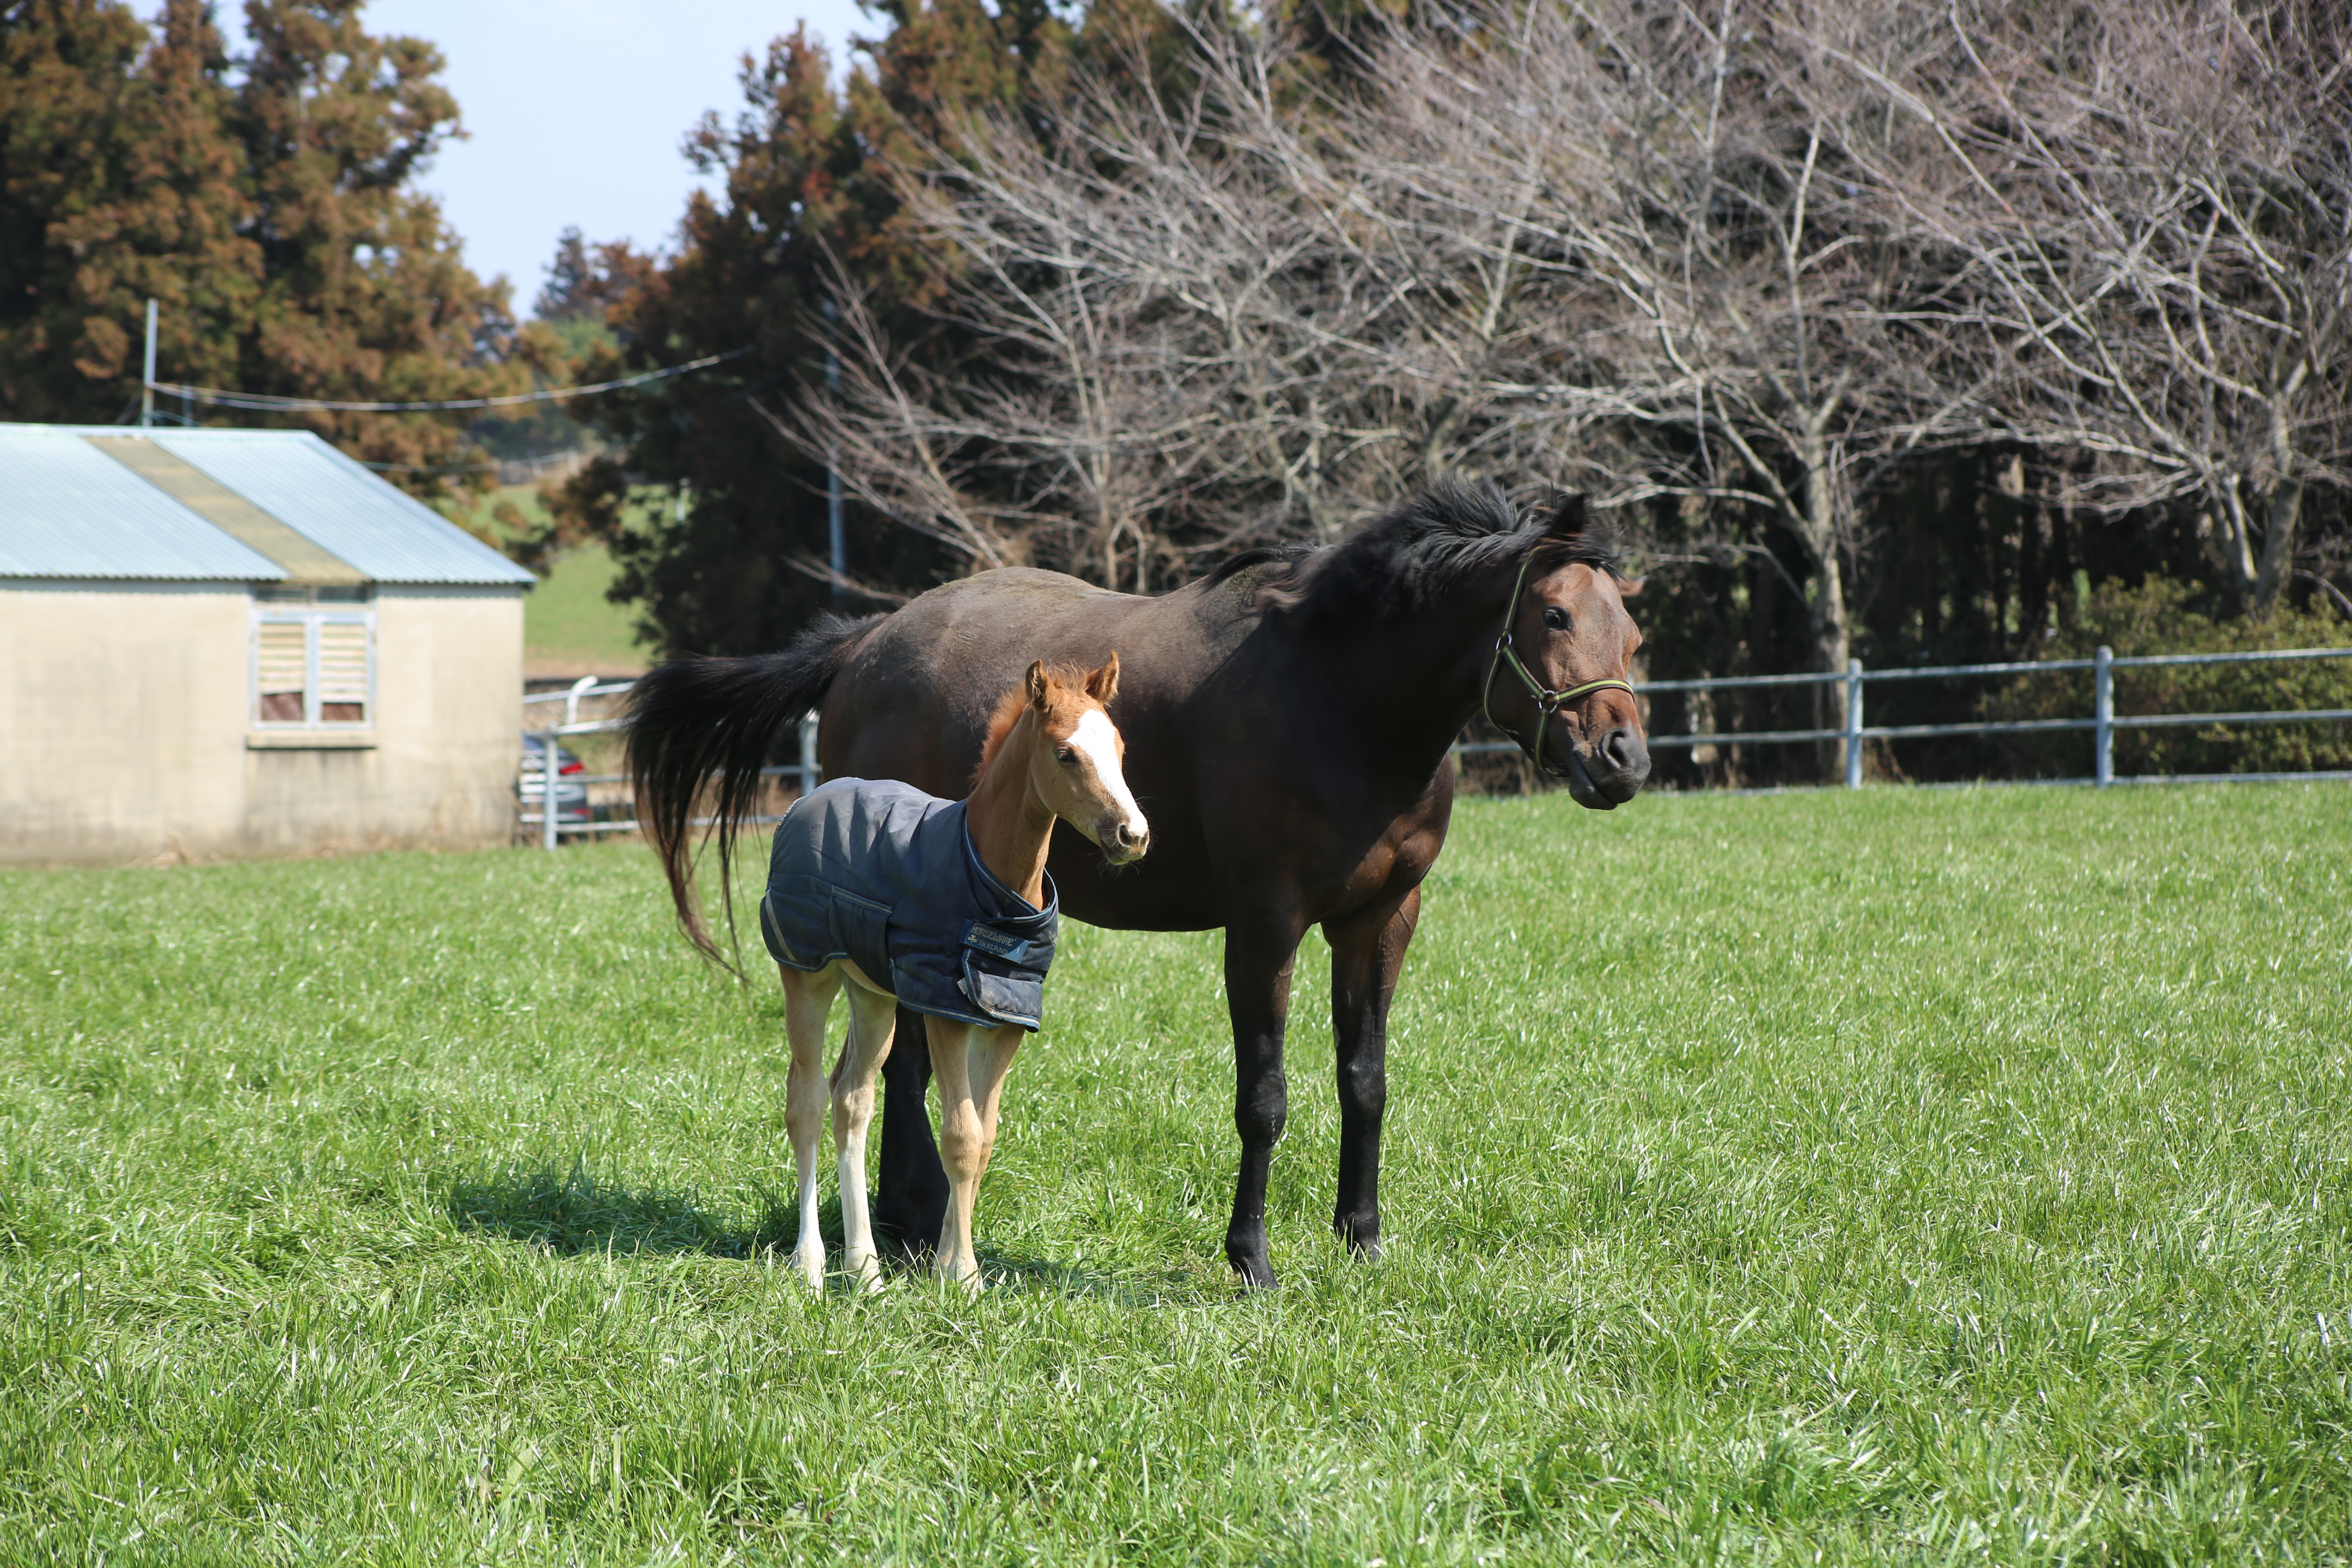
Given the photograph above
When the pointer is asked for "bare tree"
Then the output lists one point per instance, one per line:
(1756, 255)
(1582, 244)
(1166, 336)
(1664, 201)
(2155, 204)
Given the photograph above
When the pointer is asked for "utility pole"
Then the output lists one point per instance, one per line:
(836, 536)
(147, 386)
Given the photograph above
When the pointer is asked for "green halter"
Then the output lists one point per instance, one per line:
(1548, 701)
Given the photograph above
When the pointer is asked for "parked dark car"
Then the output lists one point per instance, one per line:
(570, 792)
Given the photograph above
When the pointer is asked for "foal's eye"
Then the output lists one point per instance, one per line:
(1555, 618)
(1065, 755)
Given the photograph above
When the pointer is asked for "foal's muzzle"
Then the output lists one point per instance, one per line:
(1123, 841)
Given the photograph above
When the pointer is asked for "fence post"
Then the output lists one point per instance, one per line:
(2103, 714)
(1854, 723)
(809, 770)
(547, 777)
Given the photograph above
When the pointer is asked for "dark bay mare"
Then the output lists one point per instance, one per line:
(1287, 719)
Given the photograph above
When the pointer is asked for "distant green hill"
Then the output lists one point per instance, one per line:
(568, 627)
(571, 628)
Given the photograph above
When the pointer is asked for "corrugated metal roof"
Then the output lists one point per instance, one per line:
(230, 512)
(342, 508)
(68, 510)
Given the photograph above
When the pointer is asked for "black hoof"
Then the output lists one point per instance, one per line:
(912, 1234)
(1361, 1232)
(1251, 1265)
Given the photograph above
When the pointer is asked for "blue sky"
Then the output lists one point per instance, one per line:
(575, 110)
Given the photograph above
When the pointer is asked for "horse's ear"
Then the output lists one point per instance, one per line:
(1036, 682)
(1630, 586)
(1567, 518)
(1103, 684)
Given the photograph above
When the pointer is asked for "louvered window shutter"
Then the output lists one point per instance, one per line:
(342, 672)
(313, 670)
(281, 666)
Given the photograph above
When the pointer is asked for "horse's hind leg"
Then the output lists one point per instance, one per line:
(873, 1018)
(808, 999)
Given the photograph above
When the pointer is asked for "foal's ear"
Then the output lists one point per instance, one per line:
(1037, 684)
(1567, 518)
(1103, 684)
(1630, 586)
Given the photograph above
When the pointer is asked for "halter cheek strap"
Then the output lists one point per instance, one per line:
(1548, 701)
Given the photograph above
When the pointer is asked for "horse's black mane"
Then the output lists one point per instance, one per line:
(1411, 556)
(1258, 556)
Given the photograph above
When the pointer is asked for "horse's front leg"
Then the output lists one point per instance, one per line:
(1258, 957)
(872, 1022)
(808, 999)
(1367, 953)
(970, 1064)
(910, 1192)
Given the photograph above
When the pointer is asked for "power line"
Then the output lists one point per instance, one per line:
(533, 464)
(267, 402)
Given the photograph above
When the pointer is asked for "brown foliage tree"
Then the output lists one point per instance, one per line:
(1687, 258)
(119, 181)
(271, 217)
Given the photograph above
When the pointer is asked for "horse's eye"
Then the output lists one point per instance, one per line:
(1065, 755)
(1555, 618)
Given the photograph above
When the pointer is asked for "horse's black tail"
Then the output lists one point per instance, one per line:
(693, 718)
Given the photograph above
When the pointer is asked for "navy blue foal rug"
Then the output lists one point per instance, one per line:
(886, 875)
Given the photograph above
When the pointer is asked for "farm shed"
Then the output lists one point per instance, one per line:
(241, 642)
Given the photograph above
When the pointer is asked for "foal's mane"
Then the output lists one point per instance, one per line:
(1009, 708)
(1410, 557)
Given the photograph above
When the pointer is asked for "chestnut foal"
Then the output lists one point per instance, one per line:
(900, 898)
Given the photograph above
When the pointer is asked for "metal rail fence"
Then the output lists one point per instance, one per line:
(532, 791)
(2103, 722)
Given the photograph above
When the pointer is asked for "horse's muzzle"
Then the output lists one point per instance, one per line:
(1611, 773)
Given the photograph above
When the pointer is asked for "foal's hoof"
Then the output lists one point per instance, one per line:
(865, 1277)
(811, 1269)
(969, 1284)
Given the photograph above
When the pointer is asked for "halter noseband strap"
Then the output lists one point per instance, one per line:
(1548, 701)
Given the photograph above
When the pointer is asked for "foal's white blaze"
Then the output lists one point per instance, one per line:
(1098, 740)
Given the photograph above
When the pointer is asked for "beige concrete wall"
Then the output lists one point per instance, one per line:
(450, 742)
(121, 719)
(123, 732)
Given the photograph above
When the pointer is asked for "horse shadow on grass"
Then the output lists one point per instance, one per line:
(1028, 1274)
(571, 1211)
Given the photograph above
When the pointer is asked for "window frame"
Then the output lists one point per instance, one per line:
(311, 610)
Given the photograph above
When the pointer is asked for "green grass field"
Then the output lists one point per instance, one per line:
(1933, 1177)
